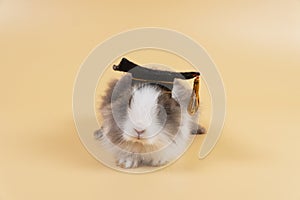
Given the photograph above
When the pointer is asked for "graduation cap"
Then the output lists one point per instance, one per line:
(164, 79)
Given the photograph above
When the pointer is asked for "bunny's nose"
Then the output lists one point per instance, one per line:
(139, 132)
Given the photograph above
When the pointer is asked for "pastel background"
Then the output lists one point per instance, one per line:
(256, 46)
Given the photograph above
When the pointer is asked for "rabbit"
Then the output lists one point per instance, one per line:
(145, 124)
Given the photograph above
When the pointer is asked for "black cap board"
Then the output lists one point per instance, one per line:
(145, 75)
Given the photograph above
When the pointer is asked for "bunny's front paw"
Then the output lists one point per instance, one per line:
(128, 162)
(158, 162)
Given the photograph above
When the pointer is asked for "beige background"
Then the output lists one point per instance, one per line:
(255, 44)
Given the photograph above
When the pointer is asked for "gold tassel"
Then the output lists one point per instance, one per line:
(195, 99)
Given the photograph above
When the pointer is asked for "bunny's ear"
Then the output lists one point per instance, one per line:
(180, 90)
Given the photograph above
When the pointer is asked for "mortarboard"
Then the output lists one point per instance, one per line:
(164, 79)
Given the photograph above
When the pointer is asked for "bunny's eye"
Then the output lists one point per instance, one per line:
(129, 102)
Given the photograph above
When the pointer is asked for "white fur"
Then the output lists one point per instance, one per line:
(142, 114)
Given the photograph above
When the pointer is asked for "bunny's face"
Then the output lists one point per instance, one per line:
(152, 116)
